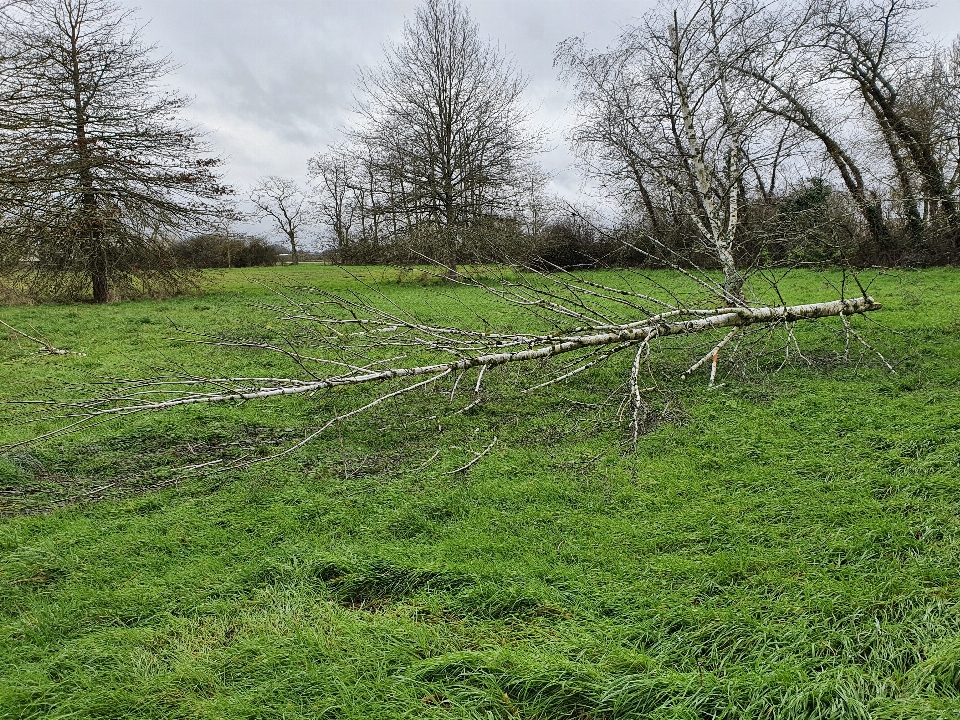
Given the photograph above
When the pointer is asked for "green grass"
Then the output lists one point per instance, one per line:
(787, 547)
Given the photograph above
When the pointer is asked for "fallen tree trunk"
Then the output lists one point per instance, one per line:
(543, 347)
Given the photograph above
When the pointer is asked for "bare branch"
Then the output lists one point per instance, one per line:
(475, 460)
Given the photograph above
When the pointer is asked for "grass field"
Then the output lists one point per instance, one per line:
(788, 546)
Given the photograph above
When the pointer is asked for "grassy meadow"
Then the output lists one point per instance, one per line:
(786, 545)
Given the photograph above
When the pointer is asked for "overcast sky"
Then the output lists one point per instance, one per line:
(272, 79)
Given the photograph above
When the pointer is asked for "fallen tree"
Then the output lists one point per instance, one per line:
(537, 347)
(356, 342)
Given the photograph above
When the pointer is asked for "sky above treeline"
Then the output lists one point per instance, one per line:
(272, 80)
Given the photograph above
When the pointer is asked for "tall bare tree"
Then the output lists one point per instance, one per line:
(443, 120)
(875, 46)
(281, 201)
(667, 116)
(98, 173)
(792, 64)
(798, 92)
(331, 198)
(859, 79)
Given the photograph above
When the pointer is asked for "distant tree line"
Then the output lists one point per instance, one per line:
(226, 250)
(721, 133)
(798, 131)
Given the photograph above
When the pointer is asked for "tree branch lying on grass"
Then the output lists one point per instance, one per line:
(45, 346)
(541, 347)
(355, 342)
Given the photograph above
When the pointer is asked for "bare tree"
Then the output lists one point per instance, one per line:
(281, 200)
(333, 199)
(931, 108)
(803, 96)
(859, 80)
(785, 89)
(874, 45)
(667, 116)
(97, 173)
(443, 122)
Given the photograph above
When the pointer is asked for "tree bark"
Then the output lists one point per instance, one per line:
(90, 226)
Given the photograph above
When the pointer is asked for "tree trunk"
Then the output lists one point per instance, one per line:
(98, 271)
(90, 224)
(293, 247)
(450, 256)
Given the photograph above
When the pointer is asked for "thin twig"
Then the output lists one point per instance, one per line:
(428, 462)
(710, 356)
(47, 347)
(472, 462)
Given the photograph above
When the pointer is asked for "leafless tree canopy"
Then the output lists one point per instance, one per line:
(441, 147)
(281, 201)
(97, 175)
(782, 103)
(674, 125)
(335, 199)
(912, 94)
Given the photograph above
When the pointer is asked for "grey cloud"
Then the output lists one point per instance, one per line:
(273, 80)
